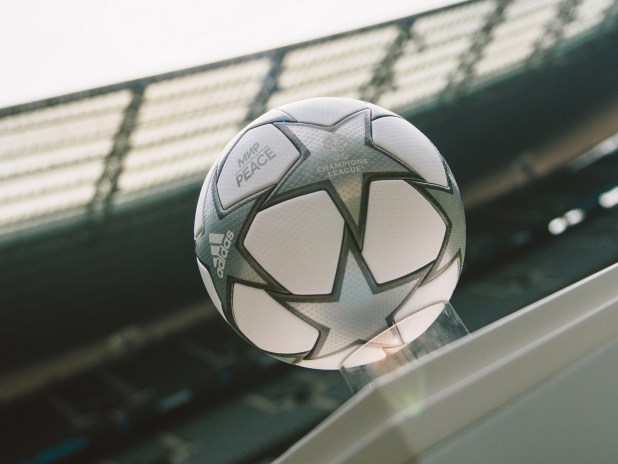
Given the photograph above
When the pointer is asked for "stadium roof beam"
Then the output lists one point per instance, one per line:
(269, 86)
(106, 184)
(383, 74)
(555, 29)
(474, 54)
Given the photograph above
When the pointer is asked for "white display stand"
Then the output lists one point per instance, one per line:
(503, 394)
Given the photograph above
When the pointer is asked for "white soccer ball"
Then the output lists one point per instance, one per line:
(323, 223)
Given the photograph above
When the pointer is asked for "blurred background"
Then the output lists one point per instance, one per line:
(110, 351)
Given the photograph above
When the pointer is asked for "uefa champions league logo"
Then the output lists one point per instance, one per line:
(337, 145)
(339, 148)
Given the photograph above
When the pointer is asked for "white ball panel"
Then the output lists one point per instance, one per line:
(268, 117)
(413, 326)
(323, 111)
(384, 344)
(365, 355)
(198, 224)
(210, 287)
(330, 362)
(260, 159)
(435, 291)
(401, 139)
(270, 326)
(378, 111)
(403, 231)
(298, 242)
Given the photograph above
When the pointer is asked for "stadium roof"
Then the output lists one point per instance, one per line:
(91, 44)
(82, 155)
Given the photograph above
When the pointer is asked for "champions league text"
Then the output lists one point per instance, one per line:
(343, 167)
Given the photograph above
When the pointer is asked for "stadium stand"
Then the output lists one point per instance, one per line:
(112, 355)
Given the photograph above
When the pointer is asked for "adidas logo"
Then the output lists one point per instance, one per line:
(219, 248)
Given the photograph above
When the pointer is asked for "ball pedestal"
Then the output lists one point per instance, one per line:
(406, 341)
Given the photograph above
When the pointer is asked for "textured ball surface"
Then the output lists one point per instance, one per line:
(323, 223)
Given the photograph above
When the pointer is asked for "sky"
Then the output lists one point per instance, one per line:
(53, 47)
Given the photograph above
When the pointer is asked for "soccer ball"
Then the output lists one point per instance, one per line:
(323, 223)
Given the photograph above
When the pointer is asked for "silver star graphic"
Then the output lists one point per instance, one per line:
(236, 266)
(340, 155)
(357, 316)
